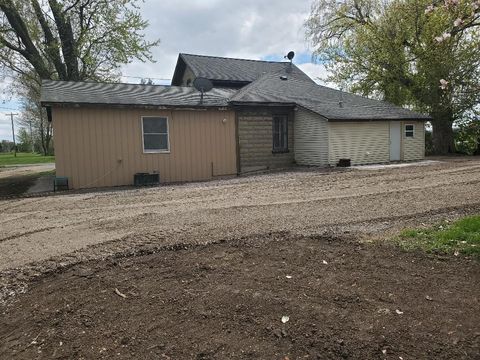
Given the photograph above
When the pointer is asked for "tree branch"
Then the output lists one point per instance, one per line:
(30, 52)
(51, 42)
(67, 39)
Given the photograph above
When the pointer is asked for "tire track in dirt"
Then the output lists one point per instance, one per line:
(26, 233)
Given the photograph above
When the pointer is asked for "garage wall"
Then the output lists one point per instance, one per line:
(311, 138)
(103, 147)
(365, 142)
(414, 148)
(255, 140)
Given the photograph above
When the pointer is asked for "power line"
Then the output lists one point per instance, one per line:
(146, 77)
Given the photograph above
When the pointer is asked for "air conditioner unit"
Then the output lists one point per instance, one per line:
(145, 179)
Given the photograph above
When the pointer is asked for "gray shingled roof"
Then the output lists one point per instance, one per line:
(129, 94)
(269, 88)
(322, 100)
(231, 69)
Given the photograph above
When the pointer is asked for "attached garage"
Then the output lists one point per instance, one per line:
(370, 142)
(319, 141)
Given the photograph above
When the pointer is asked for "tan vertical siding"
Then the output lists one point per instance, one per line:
(414, 148)
(311, 138)
(103, 147)
(365, 142)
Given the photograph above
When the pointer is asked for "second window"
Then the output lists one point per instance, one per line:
(280, 133)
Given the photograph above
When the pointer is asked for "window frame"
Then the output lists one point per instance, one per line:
(412, 131)
(156, 151)
(285, 148)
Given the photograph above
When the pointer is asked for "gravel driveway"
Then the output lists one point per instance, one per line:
(73, 226)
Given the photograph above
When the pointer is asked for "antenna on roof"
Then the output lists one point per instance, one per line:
(290, 57)
(203, 85)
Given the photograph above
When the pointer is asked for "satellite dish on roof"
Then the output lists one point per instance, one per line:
(203, 85)
(290, 57)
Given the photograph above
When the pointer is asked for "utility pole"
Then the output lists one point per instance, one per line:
(31, 136)
(13, 134)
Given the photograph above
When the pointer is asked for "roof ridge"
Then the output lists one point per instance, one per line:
(234, 58)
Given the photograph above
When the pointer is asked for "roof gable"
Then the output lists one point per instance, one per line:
(227, 70)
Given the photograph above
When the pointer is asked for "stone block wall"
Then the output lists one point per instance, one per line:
(256, 140)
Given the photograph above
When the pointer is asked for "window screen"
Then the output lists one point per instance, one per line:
(155, 134)
(409, 130)
(280, 133)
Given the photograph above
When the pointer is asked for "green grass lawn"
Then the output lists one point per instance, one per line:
(460, 237)
(7, 159)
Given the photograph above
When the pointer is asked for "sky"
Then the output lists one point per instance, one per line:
(251, 29)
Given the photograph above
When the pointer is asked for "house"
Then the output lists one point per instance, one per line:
(259, 115)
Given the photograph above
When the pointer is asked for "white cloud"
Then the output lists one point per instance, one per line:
(250, 29)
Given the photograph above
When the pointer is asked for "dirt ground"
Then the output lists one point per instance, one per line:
(209, 279)
(344, 300)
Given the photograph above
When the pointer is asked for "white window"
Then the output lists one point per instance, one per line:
(409, 130)
(155, 134)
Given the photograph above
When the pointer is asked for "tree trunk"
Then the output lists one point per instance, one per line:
(42, 135)
(477, 150)
(48, 138)
(442, 137)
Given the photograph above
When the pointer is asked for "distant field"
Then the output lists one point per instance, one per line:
(24, 158)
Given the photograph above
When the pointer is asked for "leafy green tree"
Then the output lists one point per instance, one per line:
(416, 53)
(6, 146)
(24, 140)
(33, 116)
(467, 139)
(71, 39)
